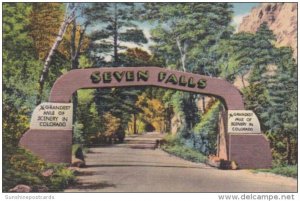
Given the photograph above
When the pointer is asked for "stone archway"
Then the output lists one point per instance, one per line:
(243, 143)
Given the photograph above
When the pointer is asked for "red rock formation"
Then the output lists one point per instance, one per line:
(281, 18)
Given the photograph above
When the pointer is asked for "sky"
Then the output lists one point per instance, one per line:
(241, 10)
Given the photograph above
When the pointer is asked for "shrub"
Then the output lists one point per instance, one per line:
(61, 178)
(289, 171)
(204, 135)
(173, 146)
(22, 167)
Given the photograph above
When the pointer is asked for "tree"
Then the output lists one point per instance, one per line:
(204, 136)
(112, 125)
(116, 27)
(152, 112)
(69, 17)
(119, 102)
(185, 29)
(237, 55)
(45, 20)
(20, 68)
(272, 88)
(264, 51)
(186, 36)
(19, 76)
(281, 113)
(77, 42)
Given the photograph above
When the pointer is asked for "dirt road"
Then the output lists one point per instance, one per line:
(136, 167)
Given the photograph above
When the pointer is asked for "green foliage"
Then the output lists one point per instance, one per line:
(133, 35)
(141, 126)
(174, 146)
(289, 171)
(139, 57)
(204, 137)
(152, 113)
(105, 120)
(184, 105)
(84, 62)
(78, 133)
(21, 69)
(185, 32)
(116, 27)
(189, 37)
(22, 167)
(15, 22)
(272, 89)
(61, 178)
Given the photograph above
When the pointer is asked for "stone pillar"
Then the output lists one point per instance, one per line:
(249, 148)
(222, 147)
(54, 146)
(50, 133)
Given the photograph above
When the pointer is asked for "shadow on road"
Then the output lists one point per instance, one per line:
(139, 165)
(89, 185)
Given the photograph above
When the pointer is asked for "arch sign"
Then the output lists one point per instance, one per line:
(239, 139)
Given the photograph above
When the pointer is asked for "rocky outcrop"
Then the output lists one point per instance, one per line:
(48, 173)
(281, 18)
(21, 189)
(40, 189)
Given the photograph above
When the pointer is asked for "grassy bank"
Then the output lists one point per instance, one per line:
(288, 171)
(173, 146)
(22, 167)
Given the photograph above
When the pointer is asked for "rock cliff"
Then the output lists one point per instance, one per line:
(281, 18)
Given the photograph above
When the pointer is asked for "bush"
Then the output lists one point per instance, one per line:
(78, 136)
(173, 146)
(289, 171)
(22, 167)
(204, 135)
(61, 178)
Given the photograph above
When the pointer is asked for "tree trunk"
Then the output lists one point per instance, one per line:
(203, 103)
(73, 46)
(289, 150)
(75, 53)
(182, 53)
(134, 124)
(59, 38)
(116, 56)
(74, 66)
(243, 81)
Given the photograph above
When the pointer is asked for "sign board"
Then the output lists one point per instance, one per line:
(144, 76)
(243, 122)
(52, 116)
